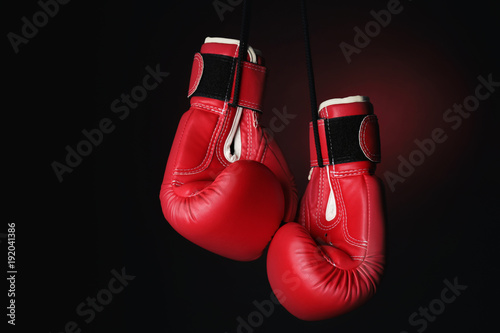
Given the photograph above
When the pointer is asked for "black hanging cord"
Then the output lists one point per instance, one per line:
(312, 87)
(242, 53)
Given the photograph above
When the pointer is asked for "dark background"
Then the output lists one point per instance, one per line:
(106, 214)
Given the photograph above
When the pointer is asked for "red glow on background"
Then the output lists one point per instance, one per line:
(410, 81)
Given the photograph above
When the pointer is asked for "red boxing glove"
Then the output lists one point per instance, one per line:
(332, 261)
(227, 186)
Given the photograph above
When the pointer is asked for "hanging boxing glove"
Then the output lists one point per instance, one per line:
(226, 186)
(332, 260)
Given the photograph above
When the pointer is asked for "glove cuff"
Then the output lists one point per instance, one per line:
(348, 132)
(214, 72)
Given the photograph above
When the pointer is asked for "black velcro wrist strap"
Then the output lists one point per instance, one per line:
(217, 79)
(342, 139)
(349, 139)
(213, 76)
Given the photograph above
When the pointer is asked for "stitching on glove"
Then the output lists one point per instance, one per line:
(347, 237)
(206, 159)
(208, 107)
(371, 156)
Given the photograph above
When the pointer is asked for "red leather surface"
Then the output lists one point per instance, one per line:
(253, 78)
(230, 50)
(327, 268)
(346, 109)
(231, 209)
(234, 215)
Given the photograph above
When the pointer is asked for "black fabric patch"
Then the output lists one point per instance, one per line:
(217, 78)
(342, 135)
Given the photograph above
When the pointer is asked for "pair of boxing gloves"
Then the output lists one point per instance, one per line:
(227, 188)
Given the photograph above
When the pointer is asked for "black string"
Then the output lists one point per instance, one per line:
(312, 87)
(242, 52)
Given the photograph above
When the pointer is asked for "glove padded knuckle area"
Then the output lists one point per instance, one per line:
(234, 215)
(318, 281)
